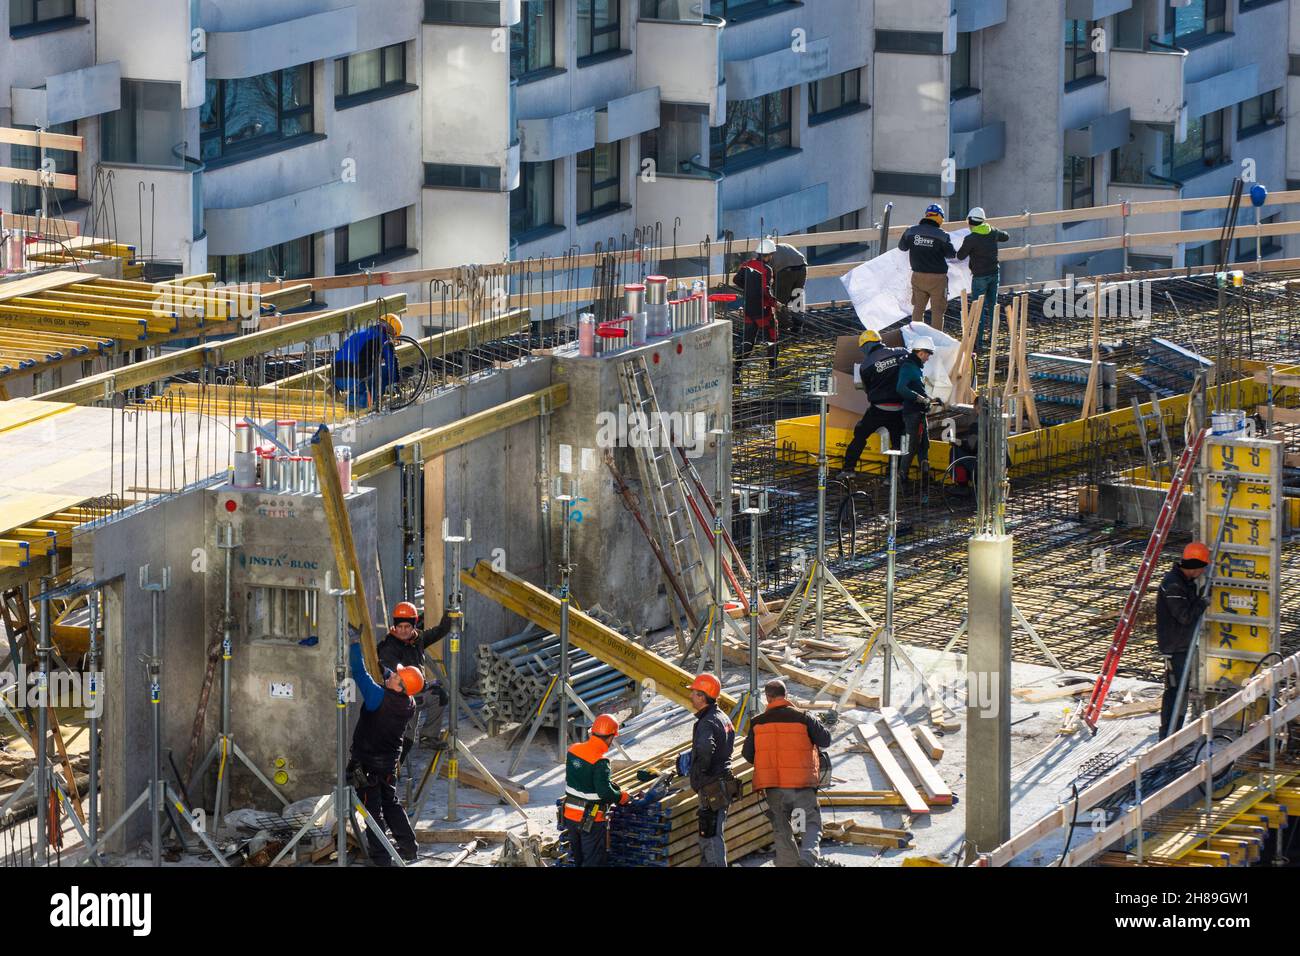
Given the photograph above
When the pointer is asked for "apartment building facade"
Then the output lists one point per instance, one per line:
(313, 137)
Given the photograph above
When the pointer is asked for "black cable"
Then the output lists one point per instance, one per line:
(1074, 818)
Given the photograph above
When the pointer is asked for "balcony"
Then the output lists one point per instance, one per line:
(69, 96)
(925, 16)
(787, 213)
(552, 137)
(975, 15)
(1222, 90)
(684, 59)
(1149, 84)
(276, 46)
(236, 230)
(976, 147)
(1094, 9)
(628, 116)
(1106, 132)
(779, 70)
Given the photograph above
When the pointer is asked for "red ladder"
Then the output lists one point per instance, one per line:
(1092, 711)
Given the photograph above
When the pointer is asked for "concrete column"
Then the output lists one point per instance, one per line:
(988, 713)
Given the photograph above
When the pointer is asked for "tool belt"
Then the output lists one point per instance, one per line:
(720, 793)
(590, 808)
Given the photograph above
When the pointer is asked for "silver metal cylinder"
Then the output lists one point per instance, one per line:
(243, 437)
(656, 289)
(633, 296)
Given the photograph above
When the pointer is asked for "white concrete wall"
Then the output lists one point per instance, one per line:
(910, 114)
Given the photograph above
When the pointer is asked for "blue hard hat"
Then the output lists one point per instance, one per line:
(1258, 194)
(934, 209)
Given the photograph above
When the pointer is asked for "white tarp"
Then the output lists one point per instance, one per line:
(881, 288)
(937, 383)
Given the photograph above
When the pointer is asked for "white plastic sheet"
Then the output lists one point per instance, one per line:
(881, 289)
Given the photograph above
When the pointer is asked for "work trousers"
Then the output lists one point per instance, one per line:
(755, 337)
(783, 804)
(586, 849)
(986, 286)
(931, 288)
(872, 419)
(1169, 723)
(380, 799)
(917, 431)
(713, 847)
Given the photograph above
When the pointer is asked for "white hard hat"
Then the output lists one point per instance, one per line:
(923, 343)
(766, 246)
(976, 214)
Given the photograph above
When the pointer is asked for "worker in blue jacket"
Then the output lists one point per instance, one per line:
(366, 363)
(377, 749)
(911, 390)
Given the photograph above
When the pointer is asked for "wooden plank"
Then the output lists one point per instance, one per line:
(43, 225)
(738, 654)
(32, 177)
(1133, 709)
(1279, 380)
(1040, 695)
(1287, 416)
(37, 139)
(426, 834)
(33, 285)
(20, 510)
(931, 782)
(926, 738)
(870, 735)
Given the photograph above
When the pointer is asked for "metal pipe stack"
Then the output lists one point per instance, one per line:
(515, 672)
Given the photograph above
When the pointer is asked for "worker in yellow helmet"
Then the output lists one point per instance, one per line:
(366, 363)
(879, 373)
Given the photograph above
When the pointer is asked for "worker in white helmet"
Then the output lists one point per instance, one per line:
(981, 246)
(754, 278)
(911, 389)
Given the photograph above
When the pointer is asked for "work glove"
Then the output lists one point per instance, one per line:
(684, 764)
(354, 634)
(624, 798)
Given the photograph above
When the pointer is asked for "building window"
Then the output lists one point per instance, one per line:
(450, 176)
(250, 114)
(34, 15)
(295, 259)
(840, 249)
(598, 27)
(737, 9)
(27, 199)
(754, 130)
(475, 13)
(1141, 263)
(1196, 21)
(1205, 254)
(532, 39)
(1147, 158)
(834, 95)
(1203, 148)
(599, 181)
(676, 148)
(1268, 245)
(147, 128)
(1077, 187)
(370, 240)
(960, 80)
(1258, 114)
(1080, 58)
(909, 41)
(906, 184)
(959, 201)
(369, 72)
(532, 204)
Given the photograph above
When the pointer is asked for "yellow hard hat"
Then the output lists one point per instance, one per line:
(393, 321)
(870, 335)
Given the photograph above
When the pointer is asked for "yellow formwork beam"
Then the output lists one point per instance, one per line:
(39, 318)
(14, 553)
(531, 602)
(158, 320)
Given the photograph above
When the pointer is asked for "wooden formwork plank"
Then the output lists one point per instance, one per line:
(931, 781)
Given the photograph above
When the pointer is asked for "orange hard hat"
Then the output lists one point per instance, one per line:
(394, 322)
(405, 611)
(1196, 551)
(412, 679)
(707, 684)
(605, 726)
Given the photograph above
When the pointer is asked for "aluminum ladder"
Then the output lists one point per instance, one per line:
(662, 487)
(1091, 711)
(1155, 448)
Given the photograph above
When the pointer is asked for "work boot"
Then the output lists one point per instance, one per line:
(408, 853)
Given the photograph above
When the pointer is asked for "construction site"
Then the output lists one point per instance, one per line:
(206, 495)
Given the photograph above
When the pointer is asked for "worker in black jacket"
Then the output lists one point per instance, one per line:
(708, 765)
(405, 644)
(879, 373)
(981, 247)
(377, 749)
(1179, 606)
(928, 250)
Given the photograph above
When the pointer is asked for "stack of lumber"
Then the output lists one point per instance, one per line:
(930, 787)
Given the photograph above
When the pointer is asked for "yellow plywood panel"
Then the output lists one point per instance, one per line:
(1223, 670)
(1256, 460)
(1245, 567)
(1247, 638)
(1250, 602)
(21, 509)
(23, 411)
(1240, 530)
(1249, 495)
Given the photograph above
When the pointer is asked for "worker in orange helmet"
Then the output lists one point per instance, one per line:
(588, 792)
(1179, 606)
(404, 645)
(708, 765)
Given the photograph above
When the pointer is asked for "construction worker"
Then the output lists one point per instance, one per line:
(708, 765)
(783, 746)
(377, 749)
(790, 274)
(366, 363)
(405, 644)
(588, 792)
(911, 389)
(755, 279)
(1179, 605)
(928, 249)
(879, 372)
(981, 246)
